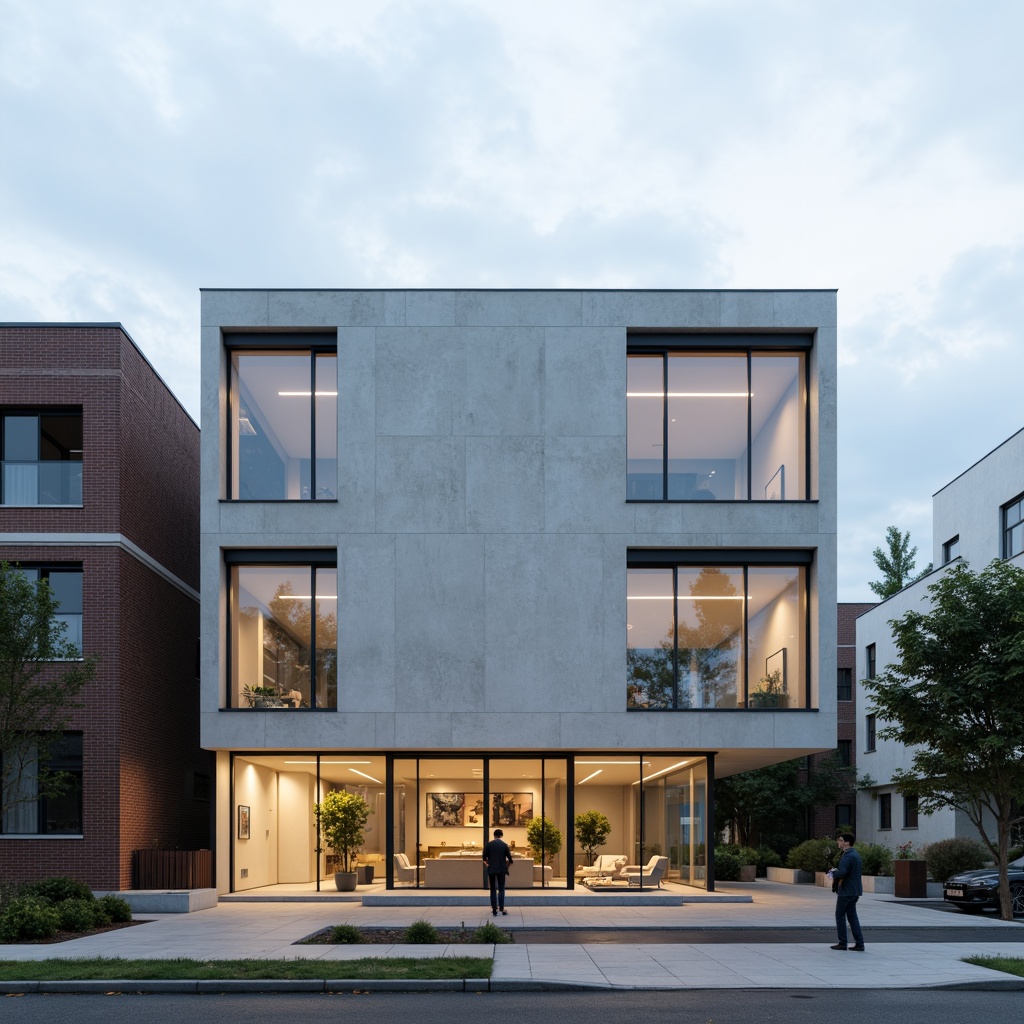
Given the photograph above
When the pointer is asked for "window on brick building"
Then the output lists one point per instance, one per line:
(844, 685)
(41, 457)
(845, 749)
(29, 813)
(844, 816)
(66, 583)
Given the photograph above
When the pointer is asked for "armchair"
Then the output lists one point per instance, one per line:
(406, 872)
(650, 874)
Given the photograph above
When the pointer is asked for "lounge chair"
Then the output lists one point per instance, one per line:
(650, 874)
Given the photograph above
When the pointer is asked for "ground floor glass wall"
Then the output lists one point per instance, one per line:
(430, 817)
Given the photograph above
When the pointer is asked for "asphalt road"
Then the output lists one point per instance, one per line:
(707, 1007)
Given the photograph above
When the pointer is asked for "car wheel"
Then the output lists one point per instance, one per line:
(1017, 898)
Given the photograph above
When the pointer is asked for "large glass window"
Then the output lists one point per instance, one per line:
(28, 812)
(283, 425)
(1013, 528)
(65, 582)
(701, 637)
(707, 426)
(284, 636)
(42, 457)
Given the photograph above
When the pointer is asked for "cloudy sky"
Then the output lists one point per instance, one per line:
(149, 150)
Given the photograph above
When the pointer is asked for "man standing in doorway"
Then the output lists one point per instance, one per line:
(497, 857)
(846, 884)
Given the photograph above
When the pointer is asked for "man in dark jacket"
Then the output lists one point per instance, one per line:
(497, 857)
(848, 888)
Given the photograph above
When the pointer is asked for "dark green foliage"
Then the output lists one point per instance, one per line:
(956, 696)
(727, 865)
(118, 910)
(896, 565)
(26, 918)
(77, 915)
(765, 857)
(592, 831)
(60, 888)
(814, 855)
(875, 858)
(490, 933)
(422, 933)
(346, 934)
(951, 856)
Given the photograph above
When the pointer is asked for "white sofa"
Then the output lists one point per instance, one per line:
(605, 864)
(470, 873)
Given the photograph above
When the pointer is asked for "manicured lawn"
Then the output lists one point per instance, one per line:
(1006, 964)
(369, 968)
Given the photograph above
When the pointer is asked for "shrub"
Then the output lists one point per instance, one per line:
(28, 917)
(765, 857)
(59, 889)
(951, 856)
(76, 915)
(118, 910)
(9, 891)
(727, 865)
(421, 932)
(876, 858)
(346, 934)
(813, 855)
(490, 933)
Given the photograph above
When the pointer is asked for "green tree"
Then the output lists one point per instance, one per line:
(42, 674)
(544, 837)
(896, 565)
(592, 831)
(341, 817)
(956, 696)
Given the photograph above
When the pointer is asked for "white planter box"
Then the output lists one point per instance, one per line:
(791, 876)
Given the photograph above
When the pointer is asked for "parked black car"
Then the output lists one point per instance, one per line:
(977, 890)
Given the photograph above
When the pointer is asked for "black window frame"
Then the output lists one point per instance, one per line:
(644, 343)
(315, 342)
(844, 748)
(41, 411)
(1014, 508)
(911, 812)
(844, 684)
(870, 733)
(951, 549)
(73, 764)
(871, 660)
(885, 812)
(313, 558)
(45, 569)
(745, 559)
(844, 821)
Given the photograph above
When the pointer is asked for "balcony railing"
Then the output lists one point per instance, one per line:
(31, 484)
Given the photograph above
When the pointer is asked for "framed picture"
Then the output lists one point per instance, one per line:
(445, 810)
(511, 808)
(243, 821)
(777, 663)
(473, 810)
(775, 489)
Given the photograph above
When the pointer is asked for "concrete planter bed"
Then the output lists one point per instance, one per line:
(792, 876)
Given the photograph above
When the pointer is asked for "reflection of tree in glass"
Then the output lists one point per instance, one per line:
(291, 642)
(708, 649)
(650, 678)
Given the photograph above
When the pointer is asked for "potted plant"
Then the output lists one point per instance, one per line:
(769, 692)
(592, 831)
(340, 819)
(545, 839)
(261, 696)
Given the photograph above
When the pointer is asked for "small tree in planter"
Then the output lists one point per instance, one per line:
(341, 817)
(544, 837)
(592, 831)
(769, 692)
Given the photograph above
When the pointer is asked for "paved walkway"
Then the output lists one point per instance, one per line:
(268, 930)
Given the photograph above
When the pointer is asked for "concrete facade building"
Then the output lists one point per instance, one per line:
(485, 556)
(99, 495)
(977, 517)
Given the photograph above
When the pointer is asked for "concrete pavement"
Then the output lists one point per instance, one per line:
(269, 930)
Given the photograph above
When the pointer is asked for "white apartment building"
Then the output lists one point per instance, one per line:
(977, 517)
(484, 555)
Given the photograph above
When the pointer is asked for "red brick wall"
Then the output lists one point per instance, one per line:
(140, 722)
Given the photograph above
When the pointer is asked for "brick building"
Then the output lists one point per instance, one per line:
(100, 495)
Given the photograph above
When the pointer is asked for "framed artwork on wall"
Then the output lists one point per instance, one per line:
(511, 808)
(445, 810)
(243, 821)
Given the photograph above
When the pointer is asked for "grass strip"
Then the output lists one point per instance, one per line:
(1006, 964)
(182, 969)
